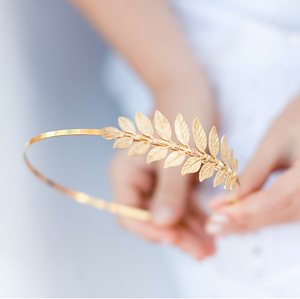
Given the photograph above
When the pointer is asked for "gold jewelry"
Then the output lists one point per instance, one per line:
(141, 144)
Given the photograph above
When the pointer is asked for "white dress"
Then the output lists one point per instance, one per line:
(251, 53)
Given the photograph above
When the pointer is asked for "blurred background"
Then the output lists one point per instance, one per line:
(50, 246)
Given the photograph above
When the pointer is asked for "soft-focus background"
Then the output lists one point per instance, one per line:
(50, 65)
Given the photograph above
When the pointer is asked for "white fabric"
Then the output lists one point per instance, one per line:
(251, 52)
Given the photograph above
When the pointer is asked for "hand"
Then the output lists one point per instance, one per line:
(255, 208)
(164, 66)
(167, 194)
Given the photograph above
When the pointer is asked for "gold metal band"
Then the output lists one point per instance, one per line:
(126, 138)
(78, 196)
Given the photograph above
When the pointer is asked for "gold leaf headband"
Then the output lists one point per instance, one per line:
(140, 144)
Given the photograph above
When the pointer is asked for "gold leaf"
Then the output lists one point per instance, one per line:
(206, 171)
(126, 125)
(181, 130)
(110, 133)
(235, 165)
(213, 142)
(191, 165)
(174, 159)
(228, 181)
(144, 124)
(219, 177)
(231, 159)
(233, 183)
(162, 126)
(224, 150)
(199, 135)
(123, 142)
(156, 154)
(138, 148)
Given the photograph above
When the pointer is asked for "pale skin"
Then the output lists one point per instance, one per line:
(147, 34)
(279, 204)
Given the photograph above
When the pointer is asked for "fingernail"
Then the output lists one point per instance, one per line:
(214, 228)
(163, 215)
(219, 218)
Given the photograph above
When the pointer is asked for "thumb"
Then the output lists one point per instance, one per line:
(266, 159)
(170, 196)
(247, 215)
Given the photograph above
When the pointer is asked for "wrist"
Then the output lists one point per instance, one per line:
(192, 86)
(191, 97)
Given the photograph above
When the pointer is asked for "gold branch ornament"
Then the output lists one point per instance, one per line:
(139, 143)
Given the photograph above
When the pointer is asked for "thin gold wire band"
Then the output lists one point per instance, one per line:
(81, 197)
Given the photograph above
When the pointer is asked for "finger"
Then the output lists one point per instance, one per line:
(192, 237)
(170, 196)
(266, 159)
(193, 223)
(190, 242)
(149, 232)
(129, 182)
(196, 219)
(195, 207)
(246, 215)
(223, 199)
(260, 209)
(263, 208)
(130, 195)
(129, 186)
